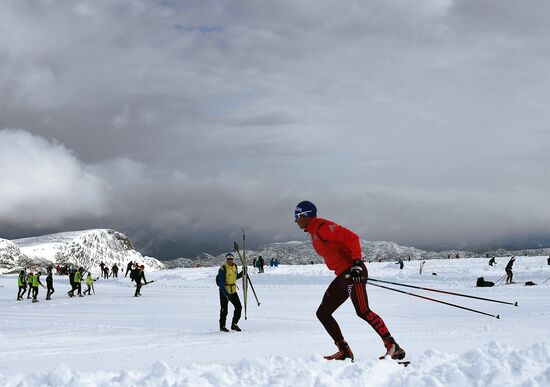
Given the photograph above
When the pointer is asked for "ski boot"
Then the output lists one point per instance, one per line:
(235, 327)
(34, 300)
(344, 352)
(223, 328)
(393, 350)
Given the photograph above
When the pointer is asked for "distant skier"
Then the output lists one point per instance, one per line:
(30, 277)
(102, 269)
(49, 284)
(128, 268)
(35, 284)
(400, 263)
(422, 263)
(22, 284)
(89, 284)
(549, 259)
(341, 250)
(227, 283)
(135, 271)
(72, 272)
(106, 272)
(508, 269)
(492, 261)
(139, 277)
(114, 270)
(260, 264)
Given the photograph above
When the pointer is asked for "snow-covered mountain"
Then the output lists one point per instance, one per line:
(301, 252)
(86, 248)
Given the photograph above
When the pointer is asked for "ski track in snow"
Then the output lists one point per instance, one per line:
(170, 337)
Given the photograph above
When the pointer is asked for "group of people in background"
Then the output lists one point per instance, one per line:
(106, 273)
(29, 282)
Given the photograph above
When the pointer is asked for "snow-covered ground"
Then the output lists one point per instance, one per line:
(170, 337)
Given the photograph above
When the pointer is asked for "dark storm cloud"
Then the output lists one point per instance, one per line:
(420, 122)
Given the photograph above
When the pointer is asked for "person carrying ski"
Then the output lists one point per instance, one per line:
(227, 283)
(22, 284)
(49, 284)
(341, 250)
(89, 284)
(140, 276)
(508, 270)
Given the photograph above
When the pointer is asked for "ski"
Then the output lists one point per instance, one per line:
(146, 283)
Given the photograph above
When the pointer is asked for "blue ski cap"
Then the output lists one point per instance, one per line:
(306, 209)
(229, 256)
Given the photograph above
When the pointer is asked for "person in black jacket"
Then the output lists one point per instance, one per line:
(49, 284)
(508, 270)
(138, 278)
(128, 268)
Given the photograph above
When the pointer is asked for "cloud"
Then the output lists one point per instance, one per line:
(194, 118)
(43, 183)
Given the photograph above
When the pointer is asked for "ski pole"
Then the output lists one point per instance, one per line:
(253, 291)
(500, 279)
(545, 280)
(445, 292)
(439, 301)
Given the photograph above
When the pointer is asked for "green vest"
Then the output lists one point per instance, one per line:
(20, 280)
(30, 278)
(89, 280)
(77, 277)
(35, 282)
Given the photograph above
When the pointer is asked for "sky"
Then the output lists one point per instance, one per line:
(179, 122)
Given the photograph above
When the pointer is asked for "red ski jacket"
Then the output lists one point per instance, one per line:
(338, 246)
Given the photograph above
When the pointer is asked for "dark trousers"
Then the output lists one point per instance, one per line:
(76, 286)
(138, 289)
(340, 289)
(21, 291)
(224, 303)
(51, 291)
(34, 292)
(88, 290)
(30, 291)
(509, 275)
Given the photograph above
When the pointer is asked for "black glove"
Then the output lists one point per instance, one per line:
(356, 271)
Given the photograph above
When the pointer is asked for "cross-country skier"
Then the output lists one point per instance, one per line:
(227, 283)
(140, 276)
(341, 250)
(492, 261)
(49, 284)
(22, 284)
(400, 263)
(508, 270)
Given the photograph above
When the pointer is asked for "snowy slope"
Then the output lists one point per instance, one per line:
(86, 248)
(169, 336)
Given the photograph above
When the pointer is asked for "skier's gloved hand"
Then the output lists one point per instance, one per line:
(356, 271)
